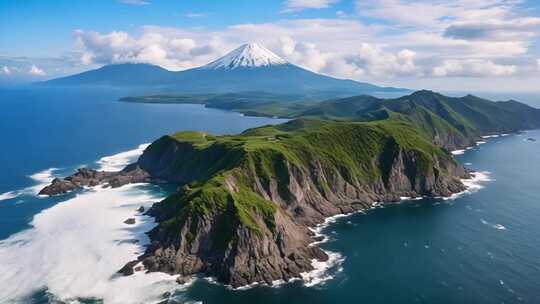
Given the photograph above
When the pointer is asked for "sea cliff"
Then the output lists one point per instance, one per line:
(245, 202)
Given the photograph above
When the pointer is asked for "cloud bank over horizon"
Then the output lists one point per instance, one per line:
(414, 43)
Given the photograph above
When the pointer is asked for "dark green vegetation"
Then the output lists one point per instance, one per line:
(245, 201)
(248, 103)
(451, 122)
(219, 173)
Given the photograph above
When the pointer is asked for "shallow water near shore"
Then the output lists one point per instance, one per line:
(480, 247)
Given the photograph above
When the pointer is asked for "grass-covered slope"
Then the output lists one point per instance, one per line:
(451, 122)
(245, 200)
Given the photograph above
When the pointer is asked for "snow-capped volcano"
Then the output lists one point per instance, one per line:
(249, 68)
(250, 55)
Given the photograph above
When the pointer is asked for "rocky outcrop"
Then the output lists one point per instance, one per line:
(85, 177)
(244, 257)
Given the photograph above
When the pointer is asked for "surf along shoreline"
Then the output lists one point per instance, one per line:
(323, 271)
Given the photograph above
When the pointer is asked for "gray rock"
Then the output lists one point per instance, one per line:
(127, 270)
(88, 177)
(182, 280)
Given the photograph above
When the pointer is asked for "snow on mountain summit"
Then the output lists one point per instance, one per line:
(247, 56)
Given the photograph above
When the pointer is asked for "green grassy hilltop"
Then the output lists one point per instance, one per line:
(450, 122)
(245, 201)
(219, 173)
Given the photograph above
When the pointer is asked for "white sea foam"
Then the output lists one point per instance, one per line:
(111, 163)
(317, 230)
(409, 198)
(458, 152)
(322, 271)
(118, 161)
(495, 226)
(42, 178)
(473, 184)
(74, 249)
(8, 195)
(325, 270)
(491, 136)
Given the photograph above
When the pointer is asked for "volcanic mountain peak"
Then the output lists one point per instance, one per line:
(250, 55)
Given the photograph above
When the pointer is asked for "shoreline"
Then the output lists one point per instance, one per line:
(320, 273)
(483, 140)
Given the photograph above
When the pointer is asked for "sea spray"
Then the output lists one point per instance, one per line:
(473, 184)
(40, 179)
(112, 163)
(118, 161)
(74, 249)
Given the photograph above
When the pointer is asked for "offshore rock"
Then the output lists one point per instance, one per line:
(85, 177)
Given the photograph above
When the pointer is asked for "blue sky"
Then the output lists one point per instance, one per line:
(447, 45)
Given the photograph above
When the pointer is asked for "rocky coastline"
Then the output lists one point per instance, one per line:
(214, 228)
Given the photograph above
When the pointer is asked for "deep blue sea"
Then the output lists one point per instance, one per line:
(481, 247)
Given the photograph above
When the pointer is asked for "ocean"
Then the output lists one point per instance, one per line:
(479, 247)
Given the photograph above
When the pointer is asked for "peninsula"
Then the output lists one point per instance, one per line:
(245, 202)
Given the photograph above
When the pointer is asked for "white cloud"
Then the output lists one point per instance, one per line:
(435, 14)
(168, 51)
(341, 14)
(36, 71)
(473, 68)
(339, 47)
(298, 5)
(496, 30)
(373, 60)
(135, 2)
(303, 53)
(481, 39)
(6, 70)
(195, 15)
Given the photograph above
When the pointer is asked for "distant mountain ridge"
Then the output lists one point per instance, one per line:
(250, 67)
(451, 122)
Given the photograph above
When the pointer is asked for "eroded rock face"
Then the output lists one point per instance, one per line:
(283, 252)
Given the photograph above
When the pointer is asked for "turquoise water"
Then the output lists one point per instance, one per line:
(482, 247)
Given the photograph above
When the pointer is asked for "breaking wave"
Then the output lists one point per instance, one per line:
(42, 178)
(118, 161)
(74, 249)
